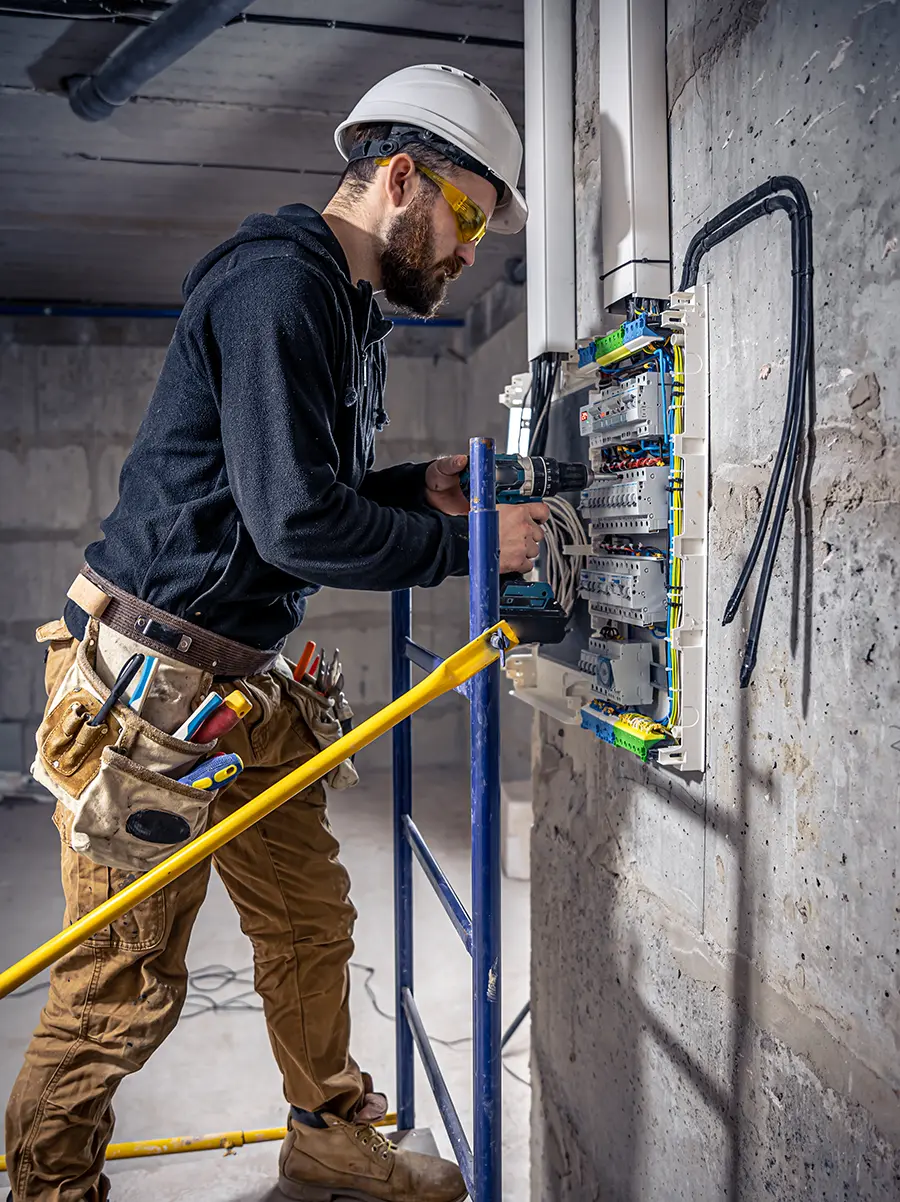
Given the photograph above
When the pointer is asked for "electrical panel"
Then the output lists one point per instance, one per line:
(638, 681)
(646, 512)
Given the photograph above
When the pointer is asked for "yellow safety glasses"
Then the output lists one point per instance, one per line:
(471, 223)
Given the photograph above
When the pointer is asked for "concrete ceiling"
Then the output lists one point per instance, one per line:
(115, 212)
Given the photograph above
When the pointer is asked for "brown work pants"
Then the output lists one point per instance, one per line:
(115, 998)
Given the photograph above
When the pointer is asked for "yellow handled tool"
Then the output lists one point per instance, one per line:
(454, 671)
(199, 1143)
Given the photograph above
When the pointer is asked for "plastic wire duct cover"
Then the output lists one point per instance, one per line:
(628, 588)
(548, 686)
(621, 670)
(625, 412)
(633, 501)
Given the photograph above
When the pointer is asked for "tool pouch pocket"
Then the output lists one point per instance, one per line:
(116, 779)
(320, 721)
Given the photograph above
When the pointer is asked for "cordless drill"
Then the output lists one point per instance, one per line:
(529, 605)
(523, 478)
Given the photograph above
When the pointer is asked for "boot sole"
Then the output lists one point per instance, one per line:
(300, 1192)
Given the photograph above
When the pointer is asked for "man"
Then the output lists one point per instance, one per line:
(249, 486)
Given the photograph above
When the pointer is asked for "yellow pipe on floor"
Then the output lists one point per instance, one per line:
(199, 1143)
(453, 671)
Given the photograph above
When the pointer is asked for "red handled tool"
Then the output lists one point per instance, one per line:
(304, 661)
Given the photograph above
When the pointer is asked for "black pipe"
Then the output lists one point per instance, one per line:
(146, 53)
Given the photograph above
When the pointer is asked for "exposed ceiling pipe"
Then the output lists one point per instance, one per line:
(147, 52)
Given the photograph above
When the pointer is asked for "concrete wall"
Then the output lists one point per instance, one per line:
(721, 1019)
(72, 393)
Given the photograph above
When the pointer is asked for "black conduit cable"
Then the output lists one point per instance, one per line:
(760, 209)
(793, 403)
(803, 282)
(778, 183)
(734, 217)
(147, 52)
(544, 377)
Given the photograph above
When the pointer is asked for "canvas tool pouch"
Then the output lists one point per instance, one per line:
(118, 779)
(321, 719)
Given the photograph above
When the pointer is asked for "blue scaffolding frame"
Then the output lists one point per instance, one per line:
(480, 934)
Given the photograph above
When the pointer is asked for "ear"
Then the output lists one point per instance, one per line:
(400, 182)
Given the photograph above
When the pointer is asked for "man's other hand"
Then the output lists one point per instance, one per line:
(520, 535)
(442, 490)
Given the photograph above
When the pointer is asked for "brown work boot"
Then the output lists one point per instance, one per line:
(352, 1160)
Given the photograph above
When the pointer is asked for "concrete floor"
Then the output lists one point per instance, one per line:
(216, 1072)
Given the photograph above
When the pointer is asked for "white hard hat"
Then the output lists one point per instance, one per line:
(463, 115)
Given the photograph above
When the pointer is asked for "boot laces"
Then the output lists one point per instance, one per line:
(380, 1144)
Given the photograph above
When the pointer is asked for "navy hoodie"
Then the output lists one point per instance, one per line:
(250, 482)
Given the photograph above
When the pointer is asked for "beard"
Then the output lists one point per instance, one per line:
(412, 281)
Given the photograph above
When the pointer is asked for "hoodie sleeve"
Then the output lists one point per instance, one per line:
(278, 406)
(402, 485)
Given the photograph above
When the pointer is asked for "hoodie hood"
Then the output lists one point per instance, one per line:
(292, 223)
(296, 228)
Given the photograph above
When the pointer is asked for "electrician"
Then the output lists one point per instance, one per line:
(250, 486)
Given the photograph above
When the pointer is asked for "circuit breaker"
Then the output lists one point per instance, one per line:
(621, 670)
(632, 408)
(628, 588)
(634, 500)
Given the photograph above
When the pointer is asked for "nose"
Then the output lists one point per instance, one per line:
(465, 252)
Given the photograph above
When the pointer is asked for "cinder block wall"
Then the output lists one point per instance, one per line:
(72, 393)
(721, 1018)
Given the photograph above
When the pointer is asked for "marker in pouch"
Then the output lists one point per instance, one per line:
(190, 726)
(140, 686)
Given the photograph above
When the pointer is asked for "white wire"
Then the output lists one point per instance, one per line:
(563, 571)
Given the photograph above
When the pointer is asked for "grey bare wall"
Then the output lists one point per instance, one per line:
(721, 1017)
(72, 392)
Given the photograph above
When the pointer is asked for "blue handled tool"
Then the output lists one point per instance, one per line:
(214, 773)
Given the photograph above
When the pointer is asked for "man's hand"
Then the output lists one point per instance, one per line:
(520, 534)
(442, 490)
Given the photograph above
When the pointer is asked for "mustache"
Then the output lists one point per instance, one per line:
(451, 268)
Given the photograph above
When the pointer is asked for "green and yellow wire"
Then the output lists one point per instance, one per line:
(675, 564)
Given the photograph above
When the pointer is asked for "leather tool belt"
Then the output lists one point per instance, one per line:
(164, 633)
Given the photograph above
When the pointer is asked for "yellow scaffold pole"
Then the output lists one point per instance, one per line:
(200, 1143)
(448, 675)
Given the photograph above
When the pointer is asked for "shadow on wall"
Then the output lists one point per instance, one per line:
(618, 1045)
(588, 1037)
